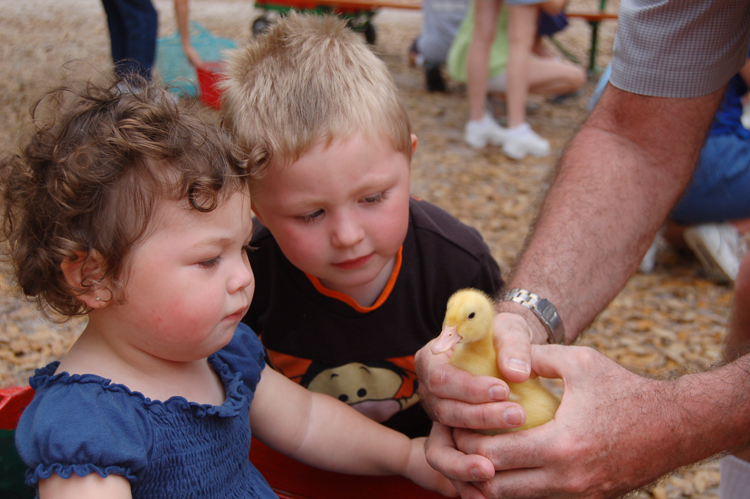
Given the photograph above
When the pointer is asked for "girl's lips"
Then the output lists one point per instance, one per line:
(354, 263)
(237, 316)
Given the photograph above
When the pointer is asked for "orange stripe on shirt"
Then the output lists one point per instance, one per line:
(351, 301)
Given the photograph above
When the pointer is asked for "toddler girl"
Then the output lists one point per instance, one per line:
(123, 208)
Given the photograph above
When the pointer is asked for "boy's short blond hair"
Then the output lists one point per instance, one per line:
(310, 79)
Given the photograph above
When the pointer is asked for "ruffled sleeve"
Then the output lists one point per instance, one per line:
(244, 355)
(80, 425)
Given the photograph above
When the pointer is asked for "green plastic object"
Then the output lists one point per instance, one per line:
(12, 469)
(172, 65)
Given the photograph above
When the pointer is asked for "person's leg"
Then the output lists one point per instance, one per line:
(117, 34)
(716, 195)
(522, 24)
(720, 185)
(481, 129)
(551, 77)
(141, 25)
(521, 140)
(477, 63)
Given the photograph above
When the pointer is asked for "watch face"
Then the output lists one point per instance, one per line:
(549, 314)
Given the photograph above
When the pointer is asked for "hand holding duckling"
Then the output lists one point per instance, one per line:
(467, 330)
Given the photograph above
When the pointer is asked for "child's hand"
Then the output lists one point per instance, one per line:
(421, 473)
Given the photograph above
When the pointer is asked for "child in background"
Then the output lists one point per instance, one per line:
(353, 275)
(124, 208)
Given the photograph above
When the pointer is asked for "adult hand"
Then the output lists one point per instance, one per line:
(459, 399)
(613, 432)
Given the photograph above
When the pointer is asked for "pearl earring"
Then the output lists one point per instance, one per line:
(97, 298)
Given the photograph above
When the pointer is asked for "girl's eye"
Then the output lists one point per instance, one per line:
(310, 217)
(210, 263)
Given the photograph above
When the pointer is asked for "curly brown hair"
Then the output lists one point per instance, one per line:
(100, 157)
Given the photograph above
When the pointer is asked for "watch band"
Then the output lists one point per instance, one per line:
(543, 309)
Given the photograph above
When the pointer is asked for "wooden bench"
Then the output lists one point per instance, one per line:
(594, 19)
(358, 6)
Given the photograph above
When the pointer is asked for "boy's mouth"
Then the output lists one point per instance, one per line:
(354, 263)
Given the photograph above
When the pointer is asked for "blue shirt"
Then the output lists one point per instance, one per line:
(84, 424)
(728, 117)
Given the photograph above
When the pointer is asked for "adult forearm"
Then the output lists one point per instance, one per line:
(716, 410)
(690, 419)
(615, 185)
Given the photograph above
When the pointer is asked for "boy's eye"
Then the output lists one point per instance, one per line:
(376, 198)
(210, 263)
(310, 216)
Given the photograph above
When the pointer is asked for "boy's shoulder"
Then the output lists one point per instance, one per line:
(260, 233)
(430, 221)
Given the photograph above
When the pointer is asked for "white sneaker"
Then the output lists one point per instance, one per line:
(719, 249)
(481, 132)
(522, 140)
(649, 259)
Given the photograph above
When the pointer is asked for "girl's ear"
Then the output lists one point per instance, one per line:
(413, 143)
(74, 271)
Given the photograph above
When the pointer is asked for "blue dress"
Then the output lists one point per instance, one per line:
(86, 424)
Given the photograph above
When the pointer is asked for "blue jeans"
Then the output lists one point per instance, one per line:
(133, 26)
(720, 187)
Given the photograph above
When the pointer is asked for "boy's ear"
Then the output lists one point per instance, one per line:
(413, 143)
(74, 271)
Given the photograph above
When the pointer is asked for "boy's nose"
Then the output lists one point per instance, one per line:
(346, 233)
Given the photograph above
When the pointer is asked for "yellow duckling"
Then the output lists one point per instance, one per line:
(467, 329)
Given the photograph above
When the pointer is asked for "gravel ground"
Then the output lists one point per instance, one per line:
(671, 319)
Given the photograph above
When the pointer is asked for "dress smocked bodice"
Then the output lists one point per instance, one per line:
(84, 423)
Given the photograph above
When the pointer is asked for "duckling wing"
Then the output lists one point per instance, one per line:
(475, 364)
(538, 402)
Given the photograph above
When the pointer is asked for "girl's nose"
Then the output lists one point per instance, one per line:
(242, 277)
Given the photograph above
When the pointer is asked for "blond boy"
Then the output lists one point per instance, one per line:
(353, 275)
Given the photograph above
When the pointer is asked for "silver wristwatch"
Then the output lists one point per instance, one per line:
(543, 309)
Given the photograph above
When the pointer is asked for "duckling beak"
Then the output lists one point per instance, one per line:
(448, 339)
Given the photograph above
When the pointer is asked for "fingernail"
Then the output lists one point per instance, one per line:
(479, 474)
(513, 416)
(499, 393)
(518, 365)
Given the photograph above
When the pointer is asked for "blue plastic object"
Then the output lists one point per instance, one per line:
(172, 65)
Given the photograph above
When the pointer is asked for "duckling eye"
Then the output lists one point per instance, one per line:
(471, 315)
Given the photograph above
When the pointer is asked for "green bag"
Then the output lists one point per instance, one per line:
(12, 470)
(459, 51)
(173, 66)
